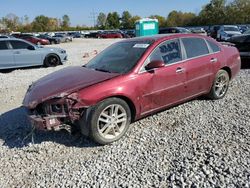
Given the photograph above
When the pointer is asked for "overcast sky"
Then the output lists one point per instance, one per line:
(81, 12)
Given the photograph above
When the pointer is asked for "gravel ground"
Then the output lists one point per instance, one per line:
(201, 143)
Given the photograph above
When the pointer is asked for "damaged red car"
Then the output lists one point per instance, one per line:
(129, 80)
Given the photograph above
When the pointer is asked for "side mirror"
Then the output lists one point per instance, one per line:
(154, 65)
(31, 47)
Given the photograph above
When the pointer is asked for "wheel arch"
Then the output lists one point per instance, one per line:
(228, 71)
(129, 102)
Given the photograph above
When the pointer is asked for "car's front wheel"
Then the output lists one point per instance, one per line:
(109, 120)
(51, 60)
(220, 85)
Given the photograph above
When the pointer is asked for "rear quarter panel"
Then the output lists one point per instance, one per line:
(232, 59)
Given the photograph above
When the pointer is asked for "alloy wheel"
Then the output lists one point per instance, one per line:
(221, 85)
(112, 121)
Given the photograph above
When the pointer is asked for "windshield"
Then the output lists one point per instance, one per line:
(231, 29)
(120, 57)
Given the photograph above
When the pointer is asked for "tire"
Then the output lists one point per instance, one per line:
(109, 120)
(52, 42)
(220, 85)
(51, 60)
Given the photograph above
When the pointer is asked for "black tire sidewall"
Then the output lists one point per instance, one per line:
(94, 134)
(47, 63)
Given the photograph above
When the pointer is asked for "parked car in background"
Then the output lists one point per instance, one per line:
(63, 37)
(52, 40)
(124, 34)
(5, 36)
(197, 30)
(35, 40)
(243, 28)
(15, 53)
(93, 34)
(75, 34)
(130, 32)
(227, 31)
(110, 34)
(242, 42)
(213, 31)
(173, 30)
(130, 80)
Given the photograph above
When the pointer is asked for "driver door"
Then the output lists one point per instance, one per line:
(166, 85)
(23, 56)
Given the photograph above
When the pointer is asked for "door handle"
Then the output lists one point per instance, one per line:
(180, 70)
(213, 60)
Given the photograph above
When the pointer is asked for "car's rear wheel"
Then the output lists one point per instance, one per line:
(220, 85)
(109, 120)
(51, 60)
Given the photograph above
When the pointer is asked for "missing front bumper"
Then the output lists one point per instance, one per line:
(47, 123)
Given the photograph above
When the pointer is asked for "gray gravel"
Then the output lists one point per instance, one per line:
(201, 143)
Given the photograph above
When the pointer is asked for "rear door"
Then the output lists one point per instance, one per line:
(23, 56)
(6, 56)
(198, 66)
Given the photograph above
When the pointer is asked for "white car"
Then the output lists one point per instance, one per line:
(227, 31)
(16, 53)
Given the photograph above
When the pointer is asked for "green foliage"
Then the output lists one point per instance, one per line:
(162, 21)
(126, 20)
(101, 20)
(11, 21)
(113, 21)
(175, 19)
(65, 22)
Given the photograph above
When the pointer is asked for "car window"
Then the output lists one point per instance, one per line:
(3, 45)
(230, 28)
(213, 46)
(195, 47)
(169, 52)
(19, 44)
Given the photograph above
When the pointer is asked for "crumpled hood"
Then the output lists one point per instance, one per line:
(63, 82)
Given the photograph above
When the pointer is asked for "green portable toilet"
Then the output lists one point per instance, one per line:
(146, 27)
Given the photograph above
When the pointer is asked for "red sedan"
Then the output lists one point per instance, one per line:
(110, 35)
(130, 80)
(36, 40)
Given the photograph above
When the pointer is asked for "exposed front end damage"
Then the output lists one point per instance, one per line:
(57, 113)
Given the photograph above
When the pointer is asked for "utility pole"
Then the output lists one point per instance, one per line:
(93, 15)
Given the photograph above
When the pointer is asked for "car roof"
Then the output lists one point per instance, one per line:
(161, 37)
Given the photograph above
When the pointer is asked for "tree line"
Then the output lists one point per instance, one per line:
(213, 13)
